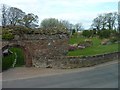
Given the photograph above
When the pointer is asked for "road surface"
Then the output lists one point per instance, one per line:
(100, 77)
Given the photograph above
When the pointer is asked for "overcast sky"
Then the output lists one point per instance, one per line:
(74, 11)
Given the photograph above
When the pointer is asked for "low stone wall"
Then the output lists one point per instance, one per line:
(76, 62)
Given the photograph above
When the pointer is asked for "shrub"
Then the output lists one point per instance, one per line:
(104, 33)
(18, 29)
(73, 31)
(8, 36)
(87, 33)
(114, 33)
(7, 61)
(94, 32)
(113, 39)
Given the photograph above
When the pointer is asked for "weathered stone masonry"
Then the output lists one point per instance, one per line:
(39, 48)
(50, 51)
(77, 62)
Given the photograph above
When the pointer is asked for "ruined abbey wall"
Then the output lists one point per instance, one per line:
(38, 49)
(49, 51)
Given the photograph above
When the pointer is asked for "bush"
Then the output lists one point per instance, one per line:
(18, 29)
(114, 33)
(87, 33)
(73, 31)
(8, 36)
(113, 39)
(7, 61)
(104, 33)
(94, 32)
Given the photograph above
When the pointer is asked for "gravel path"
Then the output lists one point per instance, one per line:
(24, 72)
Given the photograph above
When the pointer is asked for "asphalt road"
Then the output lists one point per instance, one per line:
(99, 77)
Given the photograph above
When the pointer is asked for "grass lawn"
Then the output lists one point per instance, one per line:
(7, 61)
(20, 56)
(95, 49)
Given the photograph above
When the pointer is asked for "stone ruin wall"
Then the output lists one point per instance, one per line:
(69, 62)
(43, 47)
(40, 48)
(50, 51)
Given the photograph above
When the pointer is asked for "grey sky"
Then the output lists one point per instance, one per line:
(74, 11)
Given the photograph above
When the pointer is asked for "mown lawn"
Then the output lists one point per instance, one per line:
(95, 49)
(20, 56)
(7, 61)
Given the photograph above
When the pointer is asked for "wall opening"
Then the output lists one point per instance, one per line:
(10, 53)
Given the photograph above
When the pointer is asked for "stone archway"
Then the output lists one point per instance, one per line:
(28, 57)
(26, 53)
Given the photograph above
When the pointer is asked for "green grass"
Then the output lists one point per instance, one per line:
(95, 49)
(75, 40)
(7, 61)
(20, 56)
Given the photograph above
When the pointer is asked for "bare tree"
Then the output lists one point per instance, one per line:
(4, 9)
(105, 21)
(15, 15)
(96, 23)
(66, 24)
(78, 27)
(30, 19)
(111, 20)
